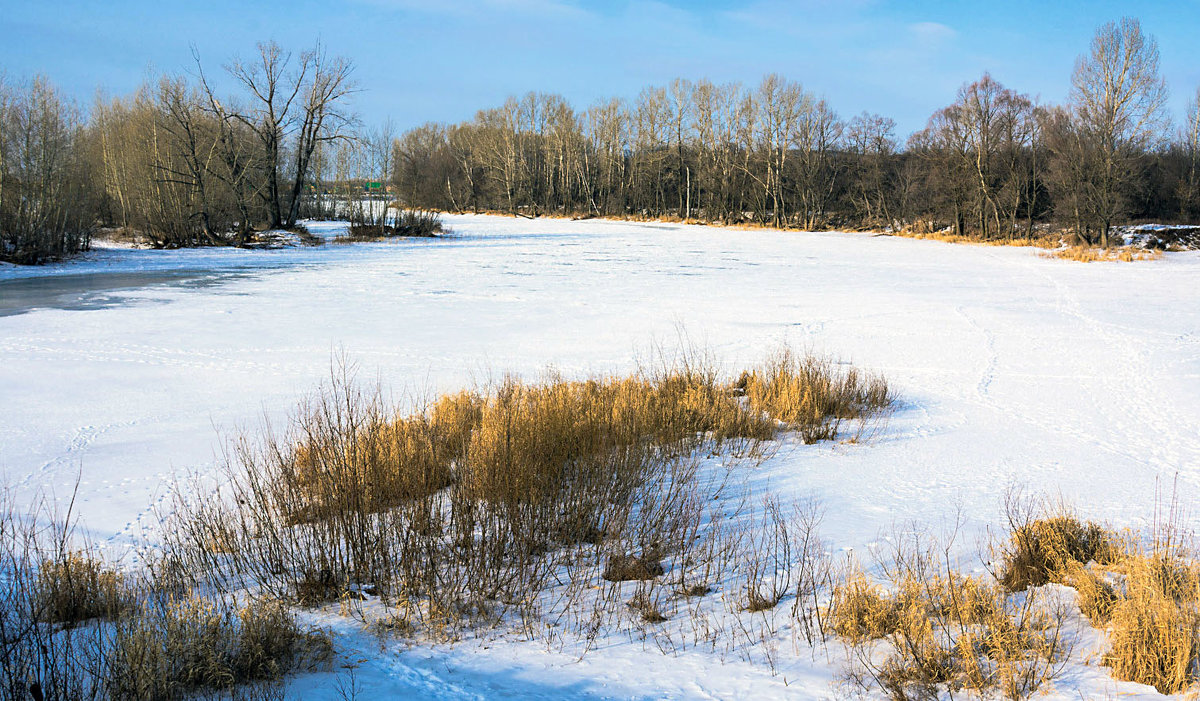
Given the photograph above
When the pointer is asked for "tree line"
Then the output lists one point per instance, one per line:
(180, 164)
(176, 162)
(993, 164)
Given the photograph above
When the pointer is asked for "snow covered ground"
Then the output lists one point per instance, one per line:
(127, 367)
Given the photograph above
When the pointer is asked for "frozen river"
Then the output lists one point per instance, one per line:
(128, 367)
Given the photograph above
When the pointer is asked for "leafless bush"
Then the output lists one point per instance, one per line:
(404, 223)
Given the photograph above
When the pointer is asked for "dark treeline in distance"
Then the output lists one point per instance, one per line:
(175, 163)
(993, 164)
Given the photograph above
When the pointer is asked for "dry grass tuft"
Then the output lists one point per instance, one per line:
(1088, 254)
(1148, 600)
(813, 396)
(859, 609)
(195, 645)
(942, 630)
(1154, 626)
(76, 586)
(628, 568)
(1043, 550)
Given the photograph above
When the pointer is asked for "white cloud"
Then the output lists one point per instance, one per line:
(932, 33)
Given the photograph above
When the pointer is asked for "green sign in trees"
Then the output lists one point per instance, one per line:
(374, 185)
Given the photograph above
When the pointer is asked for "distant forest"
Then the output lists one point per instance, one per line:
(178, 164)
(992, 164)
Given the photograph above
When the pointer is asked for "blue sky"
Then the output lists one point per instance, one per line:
(423, 61)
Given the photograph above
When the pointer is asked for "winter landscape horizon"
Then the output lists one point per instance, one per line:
(721, 382)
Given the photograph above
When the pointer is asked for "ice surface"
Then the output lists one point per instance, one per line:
(1074, 379)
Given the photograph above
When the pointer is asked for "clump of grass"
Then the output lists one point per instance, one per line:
(859, 609)
(1155, 625)
(76, 586)
(940, 629)
(1042, 550)
(181, 647)
(1088, 254)
(627, 568)
(1152, 611)
(812, 395)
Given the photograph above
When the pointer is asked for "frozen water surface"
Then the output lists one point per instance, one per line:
(1074, 379)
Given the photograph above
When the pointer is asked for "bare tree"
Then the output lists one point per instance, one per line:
(323, 118)
(307, 99)
(1118, 98)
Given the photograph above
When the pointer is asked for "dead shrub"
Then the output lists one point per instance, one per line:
(647, 606)
(177, 648)
(76, 586)
(628, 568)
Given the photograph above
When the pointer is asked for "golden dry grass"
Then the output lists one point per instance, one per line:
(1154, 629)
(1088, 254)
(812, 395)
(1147, 599)
(941, 629)
(859, 609)
(1042, 550)
(76, 586)
(373, 466)
(190, 645)
(948, 237)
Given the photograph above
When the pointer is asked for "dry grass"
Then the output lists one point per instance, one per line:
(939, 629)
(812, 395)
(369, 466)
(76, 586)
(1148, 599)
(924, 234)
(1155, 624)
(860, 610)
(1095, 596)
(1046, 549)
(465, 512)
(182, 647)
(1088, 254)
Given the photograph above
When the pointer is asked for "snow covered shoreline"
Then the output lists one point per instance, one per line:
(1076, 380)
